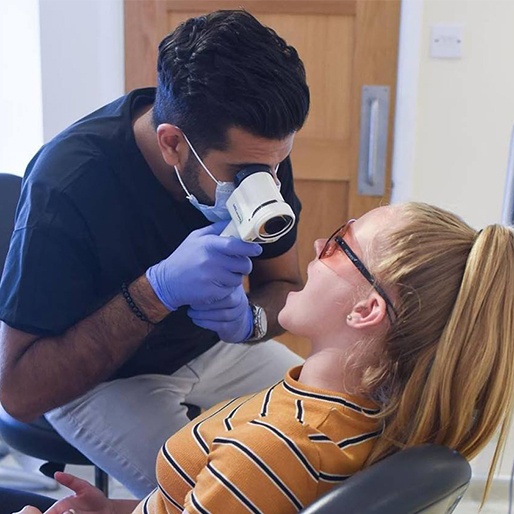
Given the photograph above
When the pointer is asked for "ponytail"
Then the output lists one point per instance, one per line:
(450, 353)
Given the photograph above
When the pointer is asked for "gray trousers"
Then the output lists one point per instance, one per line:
(121, 425)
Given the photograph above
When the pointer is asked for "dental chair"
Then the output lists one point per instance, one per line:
(427, 479)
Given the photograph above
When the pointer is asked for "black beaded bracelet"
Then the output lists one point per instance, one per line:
(132, 304)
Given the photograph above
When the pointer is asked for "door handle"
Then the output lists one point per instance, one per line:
(373, 140)
(372, 143)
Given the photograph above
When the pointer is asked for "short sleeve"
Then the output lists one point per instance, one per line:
(48, 280)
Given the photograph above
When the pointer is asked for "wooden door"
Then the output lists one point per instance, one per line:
(344, 44)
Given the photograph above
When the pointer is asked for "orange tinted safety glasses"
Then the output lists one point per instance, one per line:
(335, 245)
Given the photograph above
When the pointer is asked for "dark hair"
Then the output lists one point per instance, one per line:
(226, 69)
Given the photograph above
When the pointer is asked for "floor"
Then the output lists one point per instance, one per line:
(497, 504)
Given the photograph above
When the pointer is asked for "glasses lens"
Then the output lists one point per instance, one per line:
(331, 245)
(335, 255)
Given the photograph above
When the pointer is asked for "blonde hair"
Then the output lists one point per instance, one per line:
(448, 372)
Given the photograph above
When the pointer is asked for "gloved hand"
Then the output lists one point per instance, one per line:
(231, 318)
(204, 269)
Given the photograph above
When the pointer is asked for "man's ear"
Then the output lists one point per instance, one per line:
(367, 313)
(172, 144)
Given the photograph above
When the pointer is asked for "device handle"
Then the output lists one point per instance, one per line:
(230, 230)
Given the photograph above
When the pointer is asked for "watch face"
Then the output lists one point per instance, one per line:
(262, 320)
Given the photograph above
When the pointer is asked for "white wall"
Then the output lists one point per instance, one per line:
(81, 58)
(463, 115)
(21, 108)
(59, 60)
(406, 99)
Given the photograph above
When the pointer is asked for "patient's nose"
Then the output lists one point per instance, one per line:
(319, 244)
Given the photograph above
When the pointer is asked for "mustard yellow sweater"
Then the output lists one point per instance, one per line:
(272, 452)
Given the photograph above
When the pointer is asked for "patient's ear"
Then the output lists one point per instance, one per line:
(367, 313)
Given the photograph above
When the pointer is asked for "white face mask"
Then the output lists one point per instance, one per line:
(218, 211)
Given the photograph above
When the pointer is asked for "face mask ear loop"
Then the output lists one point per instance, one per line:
(200, 160)
(275, 177)
(188, 194)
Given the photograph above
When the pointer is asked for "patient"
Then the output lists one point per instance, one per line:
(410, 315)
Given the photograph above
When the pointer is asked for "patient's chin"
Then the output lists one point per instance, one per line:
(283, 317)
(294, 316)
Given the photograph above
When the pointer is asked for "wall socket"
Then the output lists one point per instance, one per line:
(446, 41)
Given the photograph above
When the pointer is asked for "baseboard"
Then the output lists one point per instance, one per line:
(499, 489)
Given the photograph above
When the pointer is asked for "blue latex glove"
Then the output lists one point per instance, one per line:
(231, 318)
(204, 269)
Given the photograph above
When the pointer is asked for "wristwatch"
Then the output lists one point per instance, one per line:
(260, 323)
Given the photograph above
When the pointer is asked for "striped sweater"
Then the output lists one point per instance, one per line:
(272, 452)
